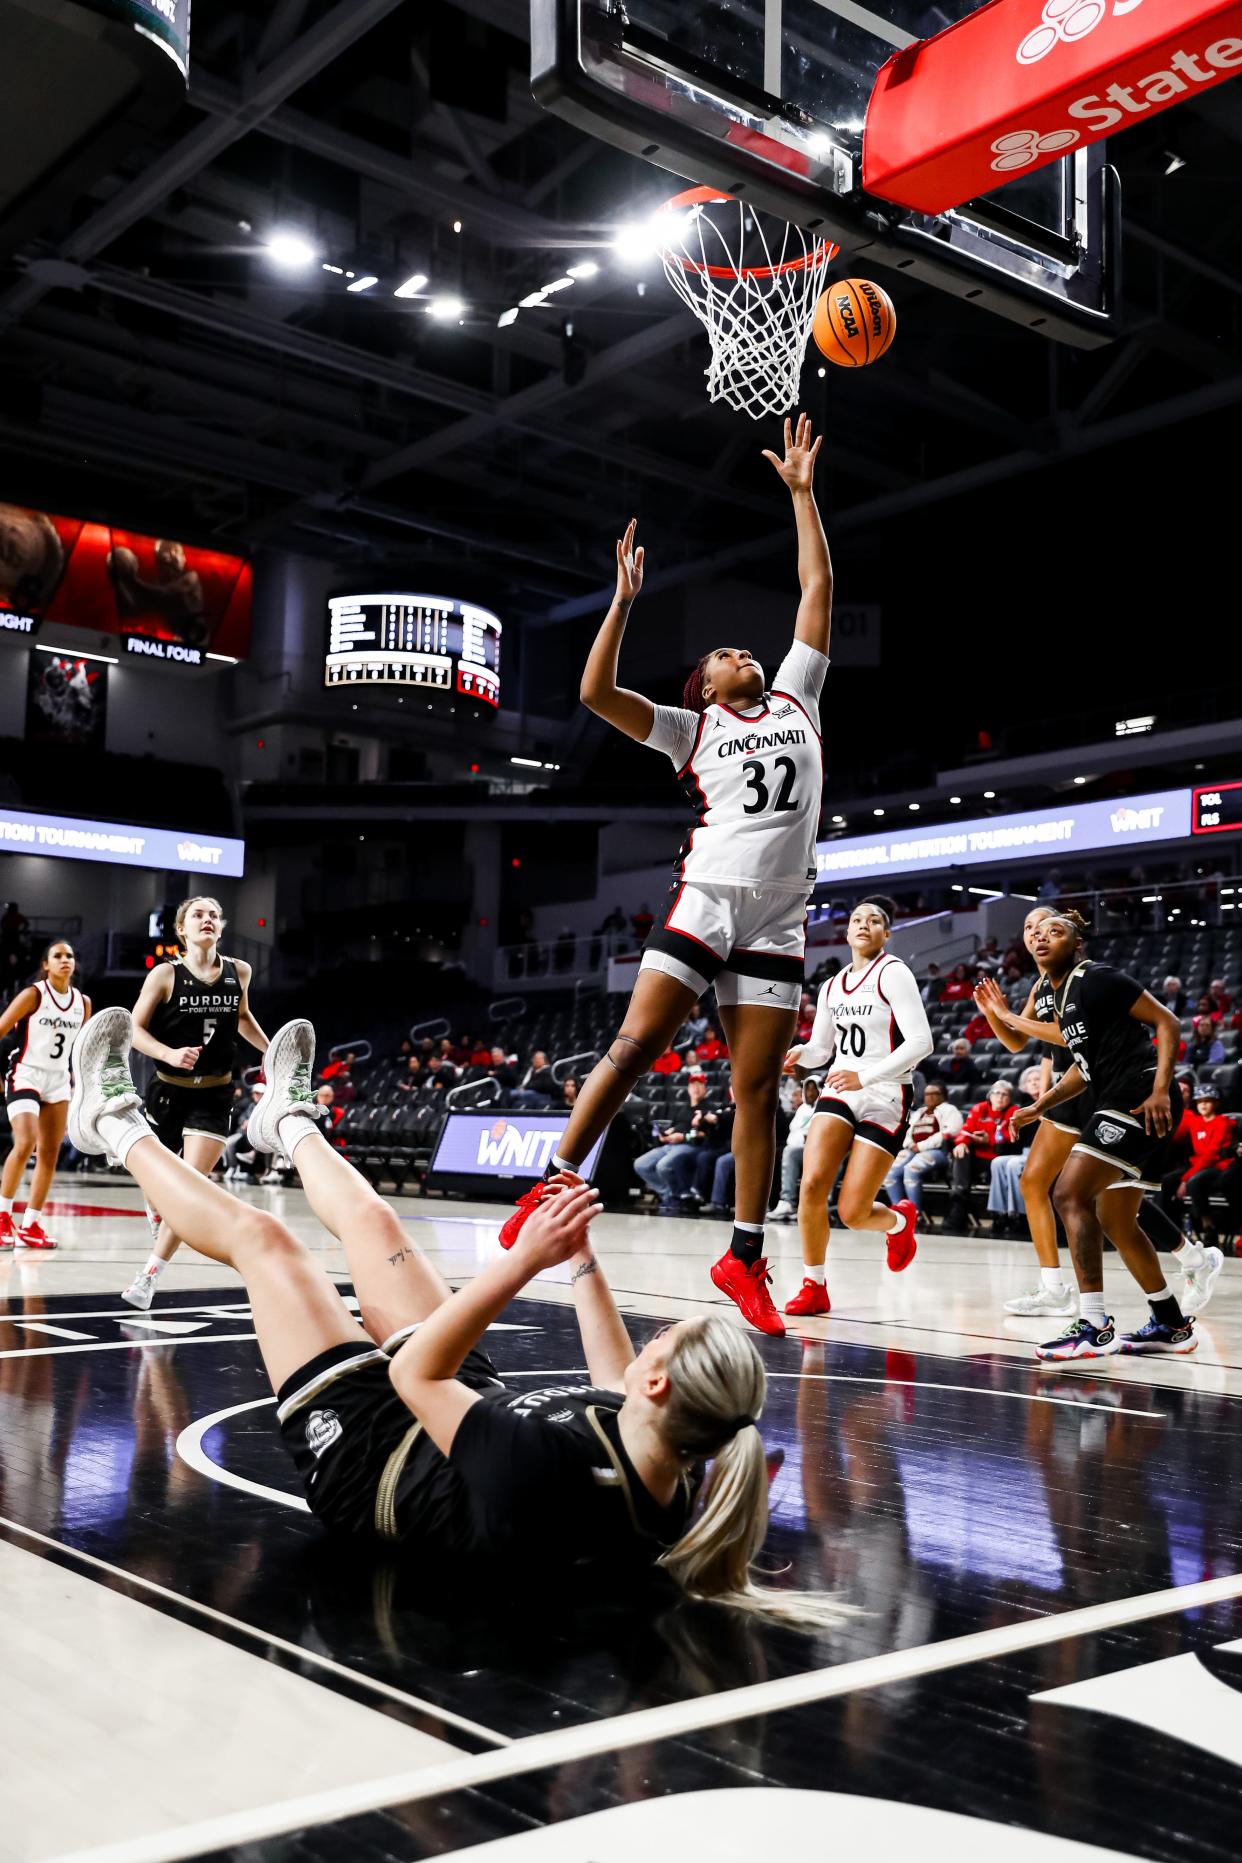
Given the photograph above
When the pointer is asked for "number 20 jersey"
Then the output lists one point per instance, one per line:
(755, 780)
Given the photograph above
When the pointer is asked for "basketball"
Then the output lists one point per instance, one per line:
(855, 323)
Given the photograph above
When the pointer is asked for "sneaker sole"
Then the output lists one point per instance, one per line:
(1160, 1351)
(291, 1044)
(1060, 1358)
(1066, 1312)
(135, 1301)
(108, 1030)
(1207, 1290)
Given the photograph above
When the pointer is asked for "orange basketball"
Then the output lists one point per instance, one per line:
(854, 323)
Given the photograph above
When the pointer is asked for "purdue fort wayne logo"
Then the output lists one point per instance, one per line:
(323, 1428)
(1109, 1134)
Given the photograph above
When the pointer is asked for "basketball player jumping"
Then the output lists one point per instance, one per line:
(47, 1014)
(871, 1023)
(749, 759)
(188, 1018)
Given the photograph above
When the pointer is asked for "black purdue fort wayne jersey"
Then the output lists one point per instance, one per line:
(201, 1015)
(1112, 1049)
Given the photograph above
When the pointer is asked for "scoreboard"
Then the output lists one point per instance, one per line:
(1217, 810)
(431, 641)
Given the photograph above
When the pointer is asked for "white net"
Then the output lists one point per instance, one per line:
(753, 282)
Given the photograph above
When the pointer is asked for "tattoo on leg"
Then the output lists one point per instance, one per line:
(402, 1254)
(625, 1073)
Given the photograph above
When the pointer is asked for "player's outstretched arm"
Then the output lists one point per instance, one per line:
(24, 1004)
(814, 623)
(628, 711)
(606, 1344)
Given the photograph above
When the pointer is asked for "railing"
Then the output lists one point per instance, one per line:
(566, 1064)
(473, 1095)
(558, 963)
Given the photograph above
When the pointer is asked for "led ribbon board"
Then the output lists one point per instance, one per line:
(118, 844)
(432, 641)
(1048, 834)
(167, 22)
(1020, 83)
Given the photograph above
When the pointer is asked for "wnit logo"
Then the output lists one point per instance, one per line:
(1065, 21)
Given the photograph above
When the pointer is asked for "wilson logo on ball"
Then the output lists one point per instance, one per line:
(854, 323)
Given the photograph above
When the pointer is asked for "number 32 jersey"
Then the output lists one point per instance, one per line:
(755, 780)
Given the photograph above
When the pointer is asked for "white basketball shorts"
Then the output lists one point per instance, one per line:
(746, 943)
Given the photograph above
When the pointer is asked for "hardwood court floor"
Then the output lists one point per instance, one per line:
(1045, 1565)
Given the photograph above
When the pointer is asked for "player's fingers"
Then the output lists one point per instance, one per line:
(815, 449)
(639, 554)
(788, 433)
(772, 456)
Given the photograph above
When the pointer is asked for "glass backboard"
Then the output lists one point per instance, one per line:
(767, 99)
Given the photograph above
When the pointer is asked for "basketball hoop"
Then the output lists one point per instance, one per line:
(757, 316)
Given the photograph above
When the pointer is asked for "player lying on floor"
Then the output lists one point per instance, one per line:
(400, 1427)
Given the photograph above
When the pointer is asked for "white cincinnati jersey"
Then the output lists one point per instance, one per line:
(755, 780)
(46, 1035)
(871, 1021)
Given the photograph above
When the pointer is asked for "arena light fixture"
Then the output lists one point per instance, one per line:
(989, 795)
(877, 811)
(1079, 781)
(73, 653)
(225, 659)
(586, 269)
(446, 309)
(957, 889)
(986, 892)
(838, 821)
(639, 240)
(914, 807)
(531, 299)
(955, 798)
(1135, 727)
(507, 317)
(290, 248)
(364, 283)
(413, 285)
(338, 270)
(528, 763)
(558, 284)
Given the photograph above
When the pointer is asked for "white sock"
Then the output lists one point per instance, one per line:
(1190, 1256)
(120, 1132)
(563, 1164)
(1091, 1307)
(1163, 1292)
(292, 1127)
(818, 1275)
(6, 1206)
(1052, 1279)
(155, 1267)
(749, 1229)
(32, 1214)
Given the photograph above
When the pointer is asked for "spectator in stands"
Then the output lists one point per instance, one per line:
(641, 922)
(1005, 1204)
(439, 1073)
(500, 1069)
(1205, 1048)
(535, 1088)
(988, 956)
(480, 1051)
(1050, 887)
(786, 1208)
(412, 1079)
(457, 1050)
(696, 1025)
(925, 1145)
(933, 987)
(724, 1172)
(708, 1133)
(404, 1050)
(563, 951)
(615, 922)
(958, 985)
(977, 1029)
(667, 1063)
(806, 1018)
(657, 1168)
(1173, 996)
(569, 1091)
(984, 1132)
(955, 1069)
(336, 1065)
(1222, 1002)
(1206, 1007)
(712, 1046)
(1213, 1146)
(339, 1072)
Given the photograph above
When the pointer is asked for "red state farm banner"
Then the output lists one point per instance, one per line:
(1021, 82)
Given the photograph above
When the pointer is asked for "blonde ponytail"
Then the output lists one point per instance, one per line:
(717, 1390)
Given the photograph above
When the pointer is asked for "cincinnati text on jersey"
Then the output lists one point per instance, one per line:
(759, 740)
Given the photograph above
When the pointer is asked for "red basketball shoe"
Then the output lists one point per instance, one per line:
(530, 1200)
(902, 1246)
(32, 1235)
(749, 1288)
(810, 1299)
(8, 1232)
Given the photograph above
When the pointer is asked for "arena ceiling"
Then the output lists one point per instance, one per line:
(148, 337)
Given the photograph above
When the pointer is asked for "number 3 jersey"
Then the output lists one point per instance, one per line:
(755, 779)
(200, 1015)
(871, 1021)
(45, 1036)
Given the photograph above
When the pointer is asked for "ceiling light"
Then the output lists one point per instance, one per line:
(821, 373)
(635, 242)
(225, 659)
(291, 249)
(412, 286)
(955, 798)
(528, 763)
(530, 300)
(457, 226)
(914, 806)
(339, 270)
(877, 811)
(559, 284)
(838, 821)
(1175, 162)
(73, 653)
(446, 309)
(989, 795)
(587, 269)
(506, 318)
(364, 283)
(985, 892)
(1079, 781)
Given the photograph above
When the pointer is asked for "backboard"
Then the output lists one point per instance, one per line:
(766, 99)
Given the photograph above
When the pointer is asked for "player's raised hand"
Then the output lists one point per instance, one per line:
(558, 1228)
(798, 466)
(629, 564)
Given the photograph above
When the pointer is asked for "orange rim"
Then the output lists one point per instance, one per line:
(698, 197)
